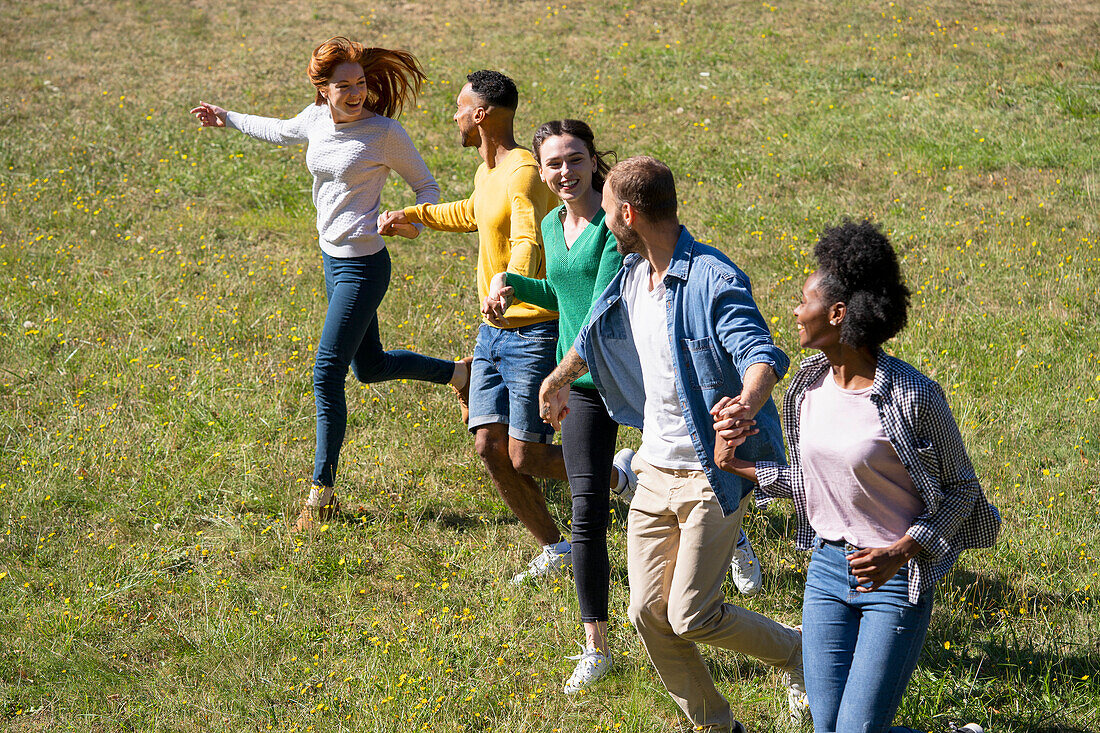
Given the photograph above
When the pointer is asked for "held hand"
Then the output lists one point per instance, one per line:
(553, 403)
(209, 115)
(730, 410)
(392, 223)
(731, 420)
(496, 302)
(493, 308)
(728, 439)
(873, 566)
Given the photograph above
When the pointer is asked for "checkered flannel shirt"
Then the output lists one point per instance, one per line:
(920, 426)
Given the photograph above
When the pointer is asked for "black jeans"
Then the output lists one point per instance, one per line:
(588, 443)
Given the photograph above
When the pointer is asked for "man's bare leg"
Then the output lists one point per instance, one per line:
(536, 459)
(519, 491)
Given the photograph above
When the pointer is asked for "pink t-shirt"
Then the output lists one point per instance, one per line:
(857, 489)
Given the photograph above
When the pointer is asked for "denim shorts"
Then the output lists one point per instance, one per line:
(508, 369)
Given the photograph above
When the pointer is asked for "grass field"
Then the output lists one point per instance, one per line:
(161, 295)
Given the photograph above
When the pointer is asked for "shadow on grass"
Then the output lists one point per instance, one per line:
(975, 638)
(1027, 664)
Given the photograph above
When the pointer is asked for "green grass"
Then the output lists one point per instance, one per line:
(160, 297)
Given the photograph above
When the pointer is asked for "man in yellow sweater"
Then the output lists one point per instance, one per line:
(506, 208)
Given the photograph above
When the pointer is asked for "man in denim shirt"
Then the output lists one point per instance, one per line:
(675, 331)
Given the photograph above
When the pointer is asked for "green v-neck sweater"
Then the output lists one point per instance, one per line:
(575, 277)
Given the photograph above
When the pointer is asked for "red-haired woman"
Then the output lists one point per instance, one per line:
(353, 143)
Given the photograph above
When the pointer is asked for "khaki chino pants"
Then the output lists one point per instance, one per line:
(679, 548)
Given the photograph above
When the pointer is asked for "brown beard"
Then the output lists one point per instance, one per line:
(627, 240)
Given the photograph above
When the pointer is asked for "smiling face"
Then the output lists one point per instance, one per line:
(345, 92)
(817, 320)
(566, 166)
(470, 109)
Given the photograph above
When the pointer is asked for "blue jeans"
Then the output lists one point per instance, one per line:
(859, 649)
(355, 287)
(508, 368)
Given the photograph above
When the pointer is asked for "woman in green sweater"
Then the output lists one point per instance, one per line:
(581, 259)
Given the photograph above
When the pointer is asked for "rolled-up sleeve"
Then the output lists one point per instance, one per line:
(774, 480)
(743, 332)
(582, 341)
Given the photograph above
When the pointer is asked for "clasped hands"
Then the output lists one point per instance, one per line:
(396, 222)
(732, 427)
(553, 403)
(871, 566)
(496, 302)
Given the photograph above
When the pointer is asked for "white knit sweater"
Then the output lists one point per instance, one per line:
(349, 162)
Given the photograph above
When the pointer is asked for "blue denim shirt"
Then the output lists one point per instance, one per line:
(716, 332)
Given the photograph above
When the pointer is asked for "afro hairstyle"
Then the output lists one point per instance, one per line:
(858, 267)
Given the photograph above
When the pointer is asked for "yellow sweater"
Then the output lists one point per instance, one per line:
(505, 209)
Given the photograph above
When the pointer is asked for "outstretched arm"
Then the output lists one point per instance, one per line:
(210, 115)
(268, 129)
(404, 158)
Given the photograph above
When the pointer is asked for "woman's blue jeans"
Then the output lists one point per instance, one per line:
(355, 288)
(858, 649)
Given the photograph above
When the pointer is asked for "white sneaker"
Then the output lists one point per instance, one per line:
(591, 667)
(547, 562)
(622, 462)
(797, 703)
(746, 568)
(971, 728)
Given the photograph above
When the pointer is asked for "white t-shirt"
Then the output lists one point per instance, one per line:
(857, 489)
(666, 442)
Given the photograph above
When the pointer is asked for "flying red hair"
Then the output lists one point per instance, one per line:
(393, 77)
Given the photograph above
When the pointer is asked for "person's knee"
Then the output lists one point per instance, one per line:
(646, 616)
(690, 623)
(527, 458)
(492, 447)
(366, 372)
(328, 372)
(586, 528)
(371, 363)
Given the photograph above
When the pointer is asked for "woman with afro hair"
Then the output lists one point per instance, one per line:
(884, 492)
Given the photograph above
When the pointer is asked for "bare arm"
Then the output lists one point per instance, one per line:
(554, 393)
(756, 387)
(733, 419)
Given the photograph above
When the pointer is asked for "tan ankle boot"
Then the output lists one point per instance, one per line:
(321, 505)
